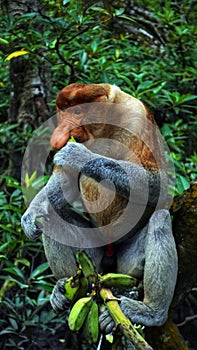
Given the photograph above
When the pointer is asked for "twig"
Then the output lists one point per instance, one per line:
(100, 342)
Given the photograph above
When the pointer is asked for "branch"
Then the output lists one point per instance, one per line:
(72, 72)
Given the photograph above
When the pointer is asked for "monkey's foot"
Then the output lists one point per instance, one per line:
(107, 324)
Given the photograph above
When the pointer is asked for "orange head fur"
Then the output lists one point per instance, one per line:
(70, 122)
(75, 94)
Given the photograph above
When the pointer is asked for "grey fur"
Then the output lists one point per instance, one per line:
(149, 254)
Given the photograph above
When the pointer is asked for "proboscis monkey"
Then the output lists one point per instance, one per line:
(117, 171)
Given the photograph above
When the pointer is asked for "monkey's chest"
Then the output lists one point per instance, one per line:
(102, 202)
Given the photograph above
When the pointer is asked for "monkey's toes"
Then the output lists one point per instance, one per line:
(106, 323)
(58, 301)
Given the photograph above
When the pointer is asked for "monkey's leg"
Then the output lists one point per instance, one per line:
(160, 273)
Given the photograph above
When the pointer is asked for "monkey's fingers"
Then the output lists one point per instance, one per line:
(58, 300)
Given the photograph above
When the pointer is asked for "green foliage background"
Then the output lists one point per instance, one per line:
(150, 54)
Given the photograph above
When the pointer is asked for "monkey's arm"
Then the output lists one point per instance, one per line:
(53, 201)
(128, 178)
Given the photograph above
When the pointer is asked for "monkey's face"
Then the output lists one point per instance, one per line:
(69, 124)
(75, 108)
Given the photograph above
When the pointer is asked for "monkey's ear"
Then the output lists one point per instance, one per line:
(112, 91)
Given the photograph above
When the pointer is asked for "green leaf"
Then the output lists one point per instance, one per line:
(131, 19)
(16, 193)
(182, 184)
(83, 57)
(72, 139)
(15, 271)
(29, 180)
(43, 285)
(159, 87)
(175, 96)
(109, 338)
(26, 16)
(94, 46)
(41, 298)
(119, 11)
(21, 285)
(40, 181)
(186, 98)
(145, 85)
(99, 9)
(40, 269)
(105, 77)
(166, 131)
(13, 323)
(23, 261)
(7, 331)
(3, 41)
(4, 246)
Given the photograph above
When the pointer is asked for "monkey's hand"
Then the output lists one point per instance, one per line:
(73, 155)
(30, 228)
(30, 220)
(58, 301)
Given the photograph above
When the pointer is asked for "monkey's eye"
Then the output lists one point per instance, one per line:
(77, 111)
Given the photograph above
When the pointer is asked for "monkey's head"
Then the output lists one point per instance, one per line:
(70, 112)
(103, 111)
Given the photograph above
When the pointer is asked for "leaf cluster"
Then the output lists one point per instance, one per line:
(150, 54)
(25, 283)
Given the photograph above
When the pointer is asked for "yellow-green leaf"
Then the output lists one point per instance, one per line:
(110, 338)
(16, 54)
(71, 139)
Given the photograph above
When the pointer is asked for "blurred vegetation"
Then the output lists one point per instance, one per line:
(149, 49)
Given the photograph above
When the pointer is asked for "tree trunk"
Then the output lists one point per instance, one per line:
(184, 211)
(30, 87)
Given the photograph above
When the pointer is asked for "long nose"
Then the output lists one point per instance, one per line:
(67, 122)
(60, 136)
